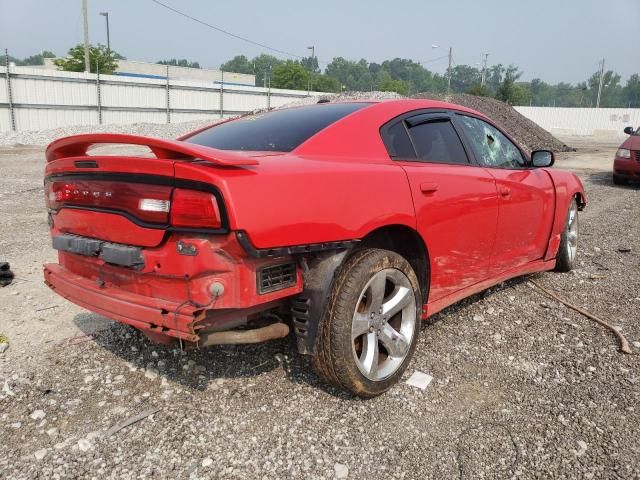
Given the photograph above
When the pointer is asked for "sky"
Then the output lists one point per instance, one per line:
(556, 40)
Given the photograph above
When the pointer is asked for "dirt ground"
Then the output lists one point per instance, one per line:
(523, 387)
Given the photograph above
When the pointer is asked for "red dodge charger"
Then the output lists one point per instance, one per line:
(351, 221)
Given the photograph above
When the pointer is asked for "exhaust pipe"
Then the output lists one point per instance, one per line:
(234, 337)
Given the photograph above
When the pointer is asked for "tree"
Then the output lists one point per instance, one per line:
(183, 62)
(37, 59)
(290, 75)
(632, 91)
(311, 64)
(398, 86)
(463, 77)
(238, 64)
(324, 83)
(99, 56)
(479, 90)
(507, 91)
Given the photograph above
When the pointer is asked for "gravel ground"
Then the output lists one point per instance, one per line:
(523, 387)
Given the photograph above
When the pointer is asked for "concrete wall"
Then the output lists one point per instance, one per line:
(45, 99)
(601, 122)
(153, 70)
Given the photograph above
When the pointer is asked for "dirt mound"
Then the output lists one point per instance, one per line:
(529, 134)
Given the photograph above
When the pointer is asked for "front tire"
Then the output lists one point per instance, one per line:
(370, 327)
(566, 258)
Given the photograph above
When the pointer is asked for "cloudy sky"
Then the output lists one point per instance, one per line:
(556, 40)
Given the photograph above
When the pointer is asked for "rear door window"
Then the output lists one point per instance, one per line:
(277, 131)
(436, 141)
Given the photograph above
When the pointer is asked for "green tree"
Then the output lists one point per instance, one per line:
(464, 77)
(479, 90)
(398, 86)
(507, 91)
(632, 91)
(311, 64)
(238, 64)
(324, 83)
(37, 59)
(290, 75)
(99, 56)
(183, 62)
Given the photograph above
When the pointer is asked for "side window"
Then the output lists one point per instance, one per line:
(399, 143)
(438, 142)
(490, 145)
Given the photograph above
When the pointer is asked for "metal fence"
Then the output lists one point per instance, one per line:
(35, 99)
(602, 122)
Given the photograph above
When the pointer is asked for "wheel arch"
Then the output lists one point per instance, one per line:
(406, 242)
(321, 268)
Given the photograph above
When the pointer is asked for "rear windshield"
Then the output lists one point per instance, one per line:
(278, 130)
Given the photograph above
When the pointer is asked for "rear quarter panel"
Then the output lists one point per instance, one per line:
(289, 200)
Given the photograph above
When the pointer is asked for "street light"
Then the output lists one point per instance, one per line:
(106, 16)
(313, 54)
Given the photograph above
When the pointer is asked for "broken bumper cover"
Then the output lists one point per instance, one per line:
(161, 316)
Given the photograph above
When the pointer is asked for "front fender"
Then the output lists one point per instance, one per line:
(567, 186)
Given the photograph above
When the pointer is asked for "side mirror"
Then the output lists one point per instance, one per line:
(542, 158)
(628, 130)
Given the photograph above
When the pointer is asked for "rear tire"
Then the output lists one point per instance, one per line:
(566, 258)
(370, 328)
(618, 180)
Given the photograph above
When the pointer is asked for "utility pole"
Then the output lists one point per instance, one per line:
(313, 54)
(449, 71)
(106, 16)
(87, 65)
(483, 78)
(600, 84)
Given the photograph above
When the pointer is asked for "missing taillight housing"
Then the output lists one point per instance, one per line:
(194, 209)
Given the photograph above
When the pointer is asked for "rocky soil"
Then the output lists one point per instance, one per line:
(529, 134)
(523, 387)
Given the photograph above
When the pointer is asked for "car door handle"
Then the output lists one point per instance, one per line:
(428, 187)
(505, 191)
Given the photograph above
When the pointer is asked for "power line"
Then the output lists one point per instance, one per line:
(202, 22)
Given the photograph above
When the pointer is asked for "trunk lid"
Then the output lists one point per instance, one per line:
(121, 198)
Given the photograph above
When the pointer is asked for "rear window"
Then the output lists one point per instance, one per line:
(278, 131)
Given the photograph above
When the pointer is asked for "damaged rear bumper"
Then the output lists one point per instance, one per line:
(160, 316)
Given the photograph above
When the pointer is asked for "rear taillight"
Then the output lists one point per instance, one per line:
(149, 203)
(194, 209)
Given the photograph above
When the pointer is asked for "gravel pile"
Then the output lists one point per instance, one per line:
(529, 134)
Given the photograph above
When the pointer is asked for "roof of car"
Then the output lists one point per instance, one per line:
(412, 104)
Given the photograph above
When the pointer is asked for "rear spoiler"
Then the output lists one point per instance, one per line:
(77, 146)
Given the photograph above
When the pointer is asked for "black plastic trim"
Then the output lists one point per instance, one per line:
(151, 180)
(254, 252)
